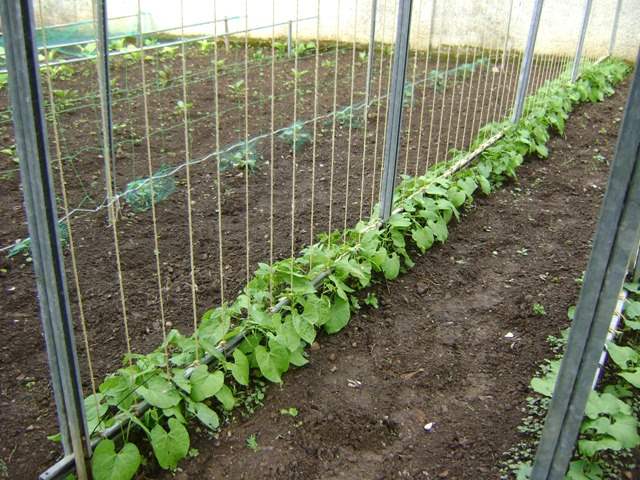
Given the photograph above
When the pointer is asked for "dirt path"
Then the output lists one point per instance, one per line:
(435, 351)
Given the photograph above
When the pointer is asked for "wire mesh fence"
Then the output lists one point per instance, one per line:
(186, 156)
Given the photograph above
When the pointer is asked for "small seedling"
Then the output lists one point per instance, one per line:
(291, 411)
(523, 251)
(295, 136)
(328, 64)
(237, 89)
(362, 56)
(182, 107)
(204, 45)
(538, 309)
(240, 157)
(252, 442)
(141, 194)
(372, 300)
(259, 55)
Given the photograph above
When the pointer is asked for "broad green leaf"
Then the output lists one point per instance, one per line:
(423, 238)
(399, 220)
(316, 310)
(160, 393)
(297, 358)
(590, 447)
(485, 186)
(172, 446)
(226, 398)
(273, 361)
(303, 328)
(391, 266)
(631, 309)
(206, 415)
(456, 197)
(624, 357)
(625, 430)
(180, 380)
(583, 470)
(205, 384)
(632, 377)
(94, 409)
(339, 314)
(632, 325)
(439, 229)
(240, 368)
(605, 404)
(106, 464)
(287, 335)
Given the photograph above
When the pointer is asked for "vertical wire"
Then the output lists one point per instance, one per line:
(216, 127)
(477, 93)
(413, 91)
(113, 218)
(378, 106)
(513, 79)
(333, 126)
(492, 52)
(453, 97)
(442, 106)
(503, 66)
(468, 107)
(295, 145)
(154, 217)
(246, 140)
(489, 71)
(272, 144)
(353, 76)
(315, 128)
(65, 205)
(433, 103)
(464, 81)
(424, 88)
(187, 154)
(365, 127)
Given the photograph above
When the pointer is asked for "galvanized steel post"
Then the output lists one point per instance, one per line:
(583, 34)
(614, 27)
(527, 61)
(40, 205)
(394, 114)
(616, 240)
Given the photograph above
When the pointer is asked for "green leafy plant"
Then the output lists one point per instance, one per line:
(259, 55)
(252, 442)
(182, 107)
(204, 46)
(240, 157)
(295, 136)
(23, 247)
(538, 309)
(328, 64)
(237, 89)
(291, 411)
(142, 193)
(372, 300)
(304, 48)
(280, 48)
(349, 116)
(189, 379)
(168, 53)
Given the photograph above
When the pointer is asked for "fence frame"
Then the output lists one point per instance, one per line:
(616, 240)
(40, 205)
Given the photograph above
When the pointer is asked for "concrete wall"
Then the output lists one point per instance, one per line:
(456, 22)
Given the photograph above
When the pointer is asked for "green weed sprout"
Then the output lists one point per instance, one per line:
(24, 246)
(142, 193)
(240, 157)
(295, 136)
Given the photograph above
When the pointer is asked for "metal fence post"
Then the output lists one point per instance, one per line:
(108, 151)
(372, 47)
(226, 34)
(616, 240)
(614, 27)
(289, 38)
(583, 34)
(527, 61)
(39, 197)
(394, 114)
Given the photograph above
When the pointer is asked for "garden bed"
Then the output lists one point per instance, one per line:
(27, 407)
(437, 349)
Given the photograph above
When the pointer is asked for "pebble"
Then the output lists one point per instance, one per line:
(315, 346)
(332, 357)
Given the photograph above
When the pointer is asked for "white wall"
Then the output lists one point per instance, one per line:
(462, 22)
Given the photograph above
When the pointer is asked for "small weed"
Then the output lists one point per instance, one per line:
(295, 136)
(291, 411)
(362, 56)
(141, 194)
(204, 46)
(259, 55)
(182, 107)
(240, 157)
(600, 158)
(372, 300)
(237, 89)
(252, 442)
(538, 309)
(328, 64)
(523, 251)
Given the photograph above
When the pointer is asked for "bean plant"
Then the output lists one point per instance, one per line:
(197, 379)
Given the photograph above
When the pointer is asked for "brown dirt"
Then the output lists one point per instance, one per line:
(26, 410)
(436, 349)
